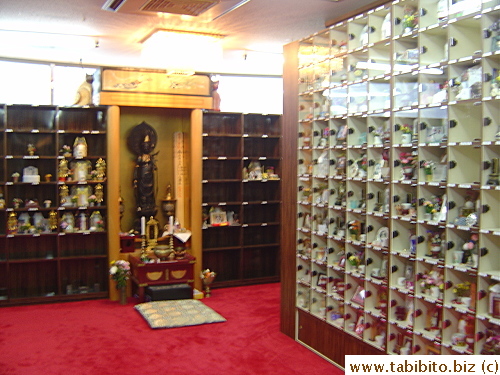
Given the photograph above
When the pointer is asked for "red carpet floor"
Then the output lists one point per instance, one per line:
(101, 337)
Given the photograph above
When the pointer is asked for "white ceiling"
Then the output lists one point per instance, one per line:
(257, 25)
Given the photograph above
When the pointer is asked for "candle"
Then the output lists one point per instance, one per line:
(143, 225)
(171, 224)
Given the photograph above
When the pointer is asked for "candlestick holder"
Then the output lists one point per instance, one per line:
(144, 249)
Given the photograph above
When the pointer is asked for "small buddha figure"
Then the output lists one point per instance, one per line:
(53, 221)
(80, 148)
(100, 167)
(31, 149)
(99, 194)
(12, 224)
(2, 200)
(63, 169)
(63, 195)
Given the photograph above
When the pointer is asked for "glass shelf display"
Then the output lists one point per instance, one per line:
(401, 201)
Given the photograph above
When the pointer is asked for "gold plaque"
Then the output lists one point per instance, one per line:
(178, 274)
(153, 276)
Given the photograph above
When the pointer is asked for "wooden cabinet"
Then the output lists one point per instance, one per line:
(241, 196)
(396, 190)
(53, 222)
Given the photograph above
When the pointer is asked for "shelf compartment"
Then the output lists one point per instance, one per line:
(261, 147)
(82, 276)
(358, 32)
(432, 125)
(488, 20)
(318, 304)
(405, 91)
(222, 169)
(260, 235)
(260, 262)
(222, 192)
(432, 13)
(96, 143)
(380, 25)
(72, 119)
(226, 262)
(491, 121)
(20, 247)
(3, 246)
(222, 123)
(82, 244)
(222, 146)
(489, 219)
(432, 86)
(357, 98)
(491, 155)
(259, 191)
(338, 103)
(406, 53)
(338, 70)
(29, 118)
(489, 260)
(379, 97)
(491, 68)
(221, 237)
(262, 213)
(433, 44)
(44, 166)
(38, 279)
(258, 125)
(463, 165)
(28, 191)
(44, 143)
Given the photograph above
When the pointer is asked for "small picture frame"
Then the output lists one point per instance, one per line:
(342, 261)
(322, 280)
(217, 218)
(377, 170)
(342, 133)
(359, 296)
(360, 326)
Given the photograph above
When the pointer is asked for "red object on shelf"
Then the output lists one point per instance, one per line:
(127, 244)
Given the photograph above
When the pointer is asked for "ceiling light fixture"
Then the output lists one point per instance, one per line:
(183, 52)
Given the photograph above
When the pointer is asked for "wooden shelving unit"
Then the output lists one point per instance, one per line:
(51, 250)
(244, 247)
(429, 68)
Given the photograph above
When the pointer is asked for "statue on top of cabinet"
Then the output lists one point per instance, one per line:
(142, 142)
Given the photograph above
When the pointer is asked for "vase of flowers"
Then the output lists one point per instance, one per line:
(120, 272)
(408, 161)
(207, 277)
(377, 136)
(434, 242)
(429, 210)
(410, 19)
(354, 229)
(429, 167)
(432, 283)
(405, 134)
(31, 149)
(462, 292)
(66, 151)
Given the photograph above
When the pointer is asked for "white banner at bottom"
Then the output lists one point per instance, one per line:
(422, 364)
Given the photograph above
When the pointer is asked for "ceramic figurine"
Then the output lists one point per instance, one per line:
(85, 92)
